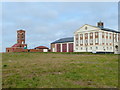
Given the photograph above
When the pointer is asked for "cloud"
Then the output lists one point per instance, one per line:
(47, 22)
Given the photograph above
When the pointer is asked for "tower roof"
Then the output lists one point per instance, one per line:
(21, 30)
(41, 47)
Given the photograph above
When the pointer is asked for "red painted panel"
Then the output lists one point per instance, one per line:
(58, 48)
(64, 47)
(70, 47)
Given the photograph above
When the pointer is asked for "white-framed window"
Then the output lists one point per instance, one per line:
(91, 34)
(96, 33)
(81, 35)
(86, 41)
(81, 48)
(91, 48)
(103, 40)
(111, 48)
(96, 40)
(96, 47)
(91, 41)
(103, 34)
(81, 41)
(107, 48)
(106, 34)
(76, 41)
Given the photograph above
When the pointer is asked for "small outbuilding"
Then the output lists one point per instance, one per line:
(42, 48)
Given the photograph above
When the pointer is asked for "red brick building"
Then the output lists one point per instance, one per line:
(20, 46)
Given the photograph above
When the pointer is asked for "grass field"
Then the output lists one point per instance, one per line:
(50, 70)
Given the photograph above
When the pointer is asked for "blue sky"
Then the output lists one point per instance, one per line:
(47, 22)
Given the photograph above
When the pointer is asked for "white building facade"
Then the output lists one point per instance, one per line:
(95, 39)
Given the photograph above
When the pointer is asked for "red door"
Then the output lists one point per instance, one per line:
(64, 47)
(70, 47)
(58, 48)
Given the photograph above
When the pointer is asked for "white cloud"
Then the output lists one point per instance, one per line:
(47, 22)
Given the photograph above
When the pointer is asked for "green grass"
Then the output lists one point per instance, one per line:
(59, 70)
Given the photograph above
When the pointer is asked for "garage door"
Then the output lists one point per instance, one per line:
(58, 48)
(70, 47)
(64, 47)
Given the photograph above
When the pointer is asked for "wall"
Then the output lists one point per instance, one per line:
(35, 50)
(62, 47)
(16, 50)
(108, 40)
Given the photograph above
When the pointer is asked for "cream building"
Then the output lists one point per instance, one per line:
(96, 39)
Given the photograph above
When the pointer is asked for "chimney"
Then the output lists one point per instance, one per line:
(100, 24)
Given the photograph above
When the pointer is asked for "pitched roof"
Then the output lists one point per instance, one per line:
(21, 30)
(41, 47)
(111, 30)
(102, 28)
(63, 40)
(107, 29)
(16, 45)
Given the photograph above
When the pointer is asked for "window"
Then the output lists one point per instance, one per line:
(96, 34)
(110, 35)
(81, 41)
(103, 48)
(86, 34)
(111, 48)
(96, 40)
(76, 37)
(81, 36)
(86, 41)
(91, 34)
(91, 41)
(81, 48)
(96, 47)
(91, 48)
(107, 48)
(106, 35)
(103, 34)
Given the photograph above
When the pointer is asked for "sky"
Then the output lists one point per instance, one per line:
(45, 22)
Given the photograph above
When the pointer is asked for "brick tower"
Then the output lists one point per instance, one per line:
(20, 46)
(21, 36)
(21, 39)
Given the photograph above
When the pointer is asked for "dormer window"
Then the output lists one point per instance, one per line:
(85, 28)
